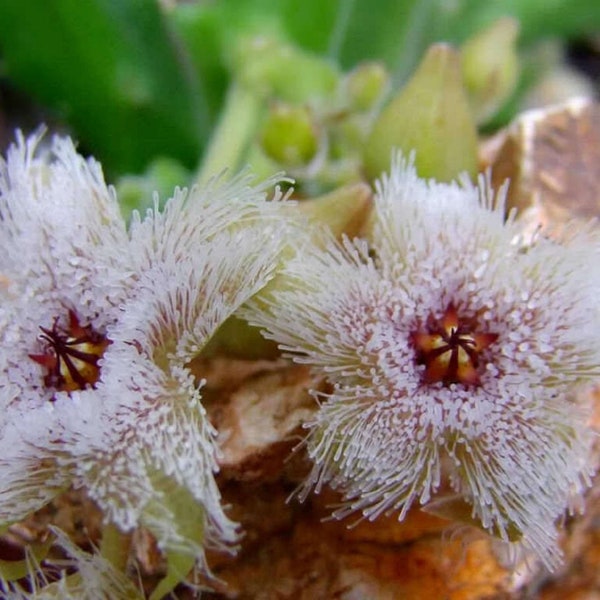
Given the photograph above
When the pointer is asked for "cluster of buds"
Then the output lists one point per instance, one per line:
(291, 110)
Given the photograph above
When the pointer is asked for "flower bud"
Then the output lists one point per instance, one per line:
(490, 67)
(289, 135)
(365, 85)
(430, 115)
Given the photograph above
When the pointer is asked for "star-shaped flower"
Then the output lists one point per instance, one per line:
(98, 324)
(453, 347)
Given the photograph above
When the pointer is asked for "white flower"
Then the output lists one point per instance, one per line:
(453, 349)
(123, 419)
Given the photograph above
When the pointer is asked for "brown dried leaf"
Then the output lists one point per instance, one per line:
(552, 158)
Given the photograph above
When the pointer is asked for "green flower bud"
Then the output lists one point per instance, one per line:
(430, 115)
(365, 85)
(289, 135)
(490, 67)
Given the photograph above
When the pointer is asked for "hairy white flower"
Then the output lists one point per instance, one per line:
(98, 323)
(453, 348)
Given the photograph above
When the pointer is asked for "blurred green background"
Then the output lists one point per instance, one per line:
(134, 80)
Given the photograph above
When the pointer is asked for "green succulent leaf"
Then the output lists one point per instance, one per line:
(113, 70)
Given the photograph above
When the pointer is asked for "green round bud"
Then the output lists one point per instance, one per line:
(365, 85)
(289, 135)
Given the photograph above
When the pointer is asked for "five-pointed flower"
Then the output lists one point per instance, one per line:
(453, 346)
(98, 324)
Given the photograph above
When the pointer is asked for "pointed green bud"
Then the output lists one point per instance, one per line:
(490, 67)
(289, 135)
(430, 115)
(365, 85)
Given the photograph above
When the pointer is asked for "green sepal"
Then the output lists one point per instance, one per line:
(178, 566)
(183, 546)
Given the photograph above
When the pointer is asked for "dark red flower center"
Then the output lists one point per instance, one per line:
(71, 356)
(450, 350)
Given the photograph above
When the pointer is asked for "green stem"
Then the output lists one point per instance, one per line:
(230, 139)
(114, 546)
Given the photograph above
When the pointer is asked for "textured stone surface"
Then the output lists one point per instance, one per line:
(292, 550)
